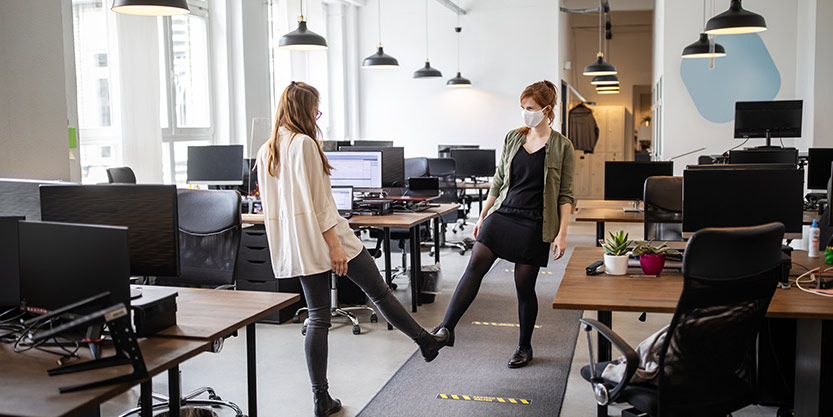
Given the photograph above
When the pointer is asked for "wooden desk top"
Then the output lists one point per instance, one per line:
(212, 314)
(443, 209)
(402, 220)
(27, 391)
(608, 215)
(472, 186)
(638, 293)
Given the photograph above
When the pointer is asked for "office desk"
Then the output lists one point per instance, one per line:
(479, 186)
(27, 391)
(607, 293)
(208, 315)
(410, 221)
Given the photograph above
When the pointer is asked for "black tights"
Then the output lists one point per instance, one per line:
(480, 262)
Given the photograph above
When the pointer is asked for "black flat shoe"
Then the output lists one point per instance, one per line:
(521, 357)
(431, 343)
(450, 341)
(324, 405)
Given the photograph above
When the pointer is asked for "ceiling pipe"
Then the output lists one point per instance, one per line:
(452, 6)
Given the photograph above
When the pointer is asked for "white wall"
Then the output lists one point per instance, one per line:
(33, 91)
(506, 46)
(823, 86)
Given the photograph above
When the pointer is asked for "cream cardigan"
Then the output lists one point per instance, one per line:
(298, 207)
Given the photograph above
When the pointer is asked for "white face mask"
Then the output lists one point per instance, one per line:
(532, 118)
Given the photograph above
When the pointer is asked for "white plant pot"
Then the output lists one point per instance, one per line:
(616, 265)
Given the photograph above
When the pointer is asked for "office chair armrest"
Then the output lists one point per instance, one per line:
(631, 358)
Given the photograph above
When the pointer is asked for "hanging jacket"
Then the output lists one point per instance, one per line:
(583, 131)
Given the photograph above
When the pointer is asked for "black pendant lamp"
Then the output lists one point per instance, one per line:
(151, 7)
(302, 39)
(380, 59)
(600, 67)
(605, 80)
(458, 80)
(704, 47)
(735, 21)
(427, 71)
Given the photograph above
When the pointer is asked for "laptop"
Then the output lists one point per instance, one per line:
(343, 196)
(423, 187)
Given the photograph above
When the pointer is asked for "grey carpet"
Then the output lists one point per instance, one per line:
(476, 365)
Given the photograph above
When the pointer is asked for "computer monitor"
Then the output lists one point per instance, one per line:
(361, 170)
(473, 163)
(768, 119)
(64, 263)
(21, 197)
(374, 143)
(9, 261)
(625, 180)
(444, 151)
(148, 211)
(343, 197)
(743, 195)
(818, 167)
(393, 163)
(215, 165)
(333, 145)
(764, 156)
(249, 178)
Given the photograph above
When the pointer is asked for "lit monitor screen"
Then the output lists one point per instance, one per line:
(343, 197)
(356, 169)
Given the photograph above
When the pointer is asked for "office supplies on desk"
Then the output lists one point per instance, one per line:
(373, 207)
(154, 311)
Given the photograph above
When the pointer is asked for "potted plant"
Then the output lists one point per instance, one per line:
(616, 253)
(652, 258)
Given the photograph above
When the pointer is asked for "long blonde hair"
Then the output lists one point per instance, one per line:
(296, 112)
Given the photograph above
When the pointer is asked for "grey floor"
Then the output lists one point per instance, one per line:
(360, 365)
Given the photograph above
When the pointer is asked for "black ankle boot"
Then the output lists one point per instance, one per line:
(521, 357)
(450, 341)
(431, 343)
(323, 404)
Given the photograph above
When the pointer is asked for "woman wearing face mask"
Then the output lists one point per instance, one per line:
(308, 239)
(525, 215)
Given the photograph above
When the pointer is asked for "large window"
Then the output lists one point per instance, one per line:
(185, 87)
(97, 86)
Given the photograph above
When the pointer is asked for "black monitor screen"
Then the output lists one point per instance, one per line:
(474, 162)
(21, 197)
(736, 196)
(148, 211)
(625, 180)
(819, 167)
(764, 156)
(9, 262)
(249, 178)
(444, 151)
(64, 263)
(781, 119)
(393, 163)
(376, 143)
(215, 165)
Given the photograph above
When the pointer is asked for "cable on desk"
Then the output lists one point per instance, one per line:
(813, 278)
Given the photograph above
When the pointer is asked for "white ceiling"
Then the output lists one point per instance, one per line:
(615, 5)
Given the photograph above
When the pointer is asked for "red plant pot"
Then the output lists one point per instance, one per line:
(652, 264)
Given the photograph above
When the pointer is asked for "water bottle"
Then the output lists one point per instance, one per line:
(813, 250)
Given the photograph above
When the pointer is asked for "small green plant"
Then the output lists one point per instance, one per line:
(617, 245)
(648, 248)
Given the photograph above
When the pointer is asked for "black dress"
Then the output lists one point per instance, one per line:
(515, 231)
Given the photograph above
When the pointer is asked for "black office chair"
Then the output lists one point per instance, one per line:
(416, 167)
(446, 170)
(121, 175)
(663, 197)
(209, 240)
(707, 362)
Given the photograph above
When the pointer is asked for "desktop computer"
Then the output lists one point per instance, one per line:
(819, 163)
(9, 261)
(764, 156)
(361, 170)
(393, 163)
(215, 165)
(625, 180)
(768, 119)
(474, 163)
(21, 197)
(444, 151)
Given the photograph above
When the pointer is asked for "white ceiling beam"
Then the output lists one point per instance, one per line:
(452, 6)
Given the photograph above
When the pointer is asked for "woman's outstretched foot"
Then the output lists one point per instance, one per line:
(324, 405)
(431, 343)
(521, 357)
(450, 342)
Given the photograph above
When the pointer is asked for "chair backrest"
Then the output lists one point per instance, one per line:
(445, 170)
(663, 197)
(209, 236)
(707, 362)
(121, 175)
(416, 167)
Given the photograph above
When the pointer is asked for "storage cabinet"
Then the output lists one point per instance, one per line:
(613, 145)
(254, 272)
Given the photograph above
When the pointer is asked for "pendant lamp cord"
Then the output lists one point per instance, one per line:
(379, 10)
(301, 5)
(459, 30)
(426, 30)
(600, 24)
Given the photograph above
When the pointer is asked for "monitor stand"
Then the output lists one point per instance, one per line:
(634, 208)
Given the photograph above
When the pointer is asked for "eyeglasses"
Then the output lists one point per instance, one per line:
(318, 115)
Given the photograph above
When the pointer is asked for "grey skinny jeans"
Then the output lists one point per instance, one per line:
(361, 270)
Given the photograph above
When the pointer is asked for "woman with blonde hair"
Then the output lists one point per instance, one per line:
(530, 200)
(308, 239)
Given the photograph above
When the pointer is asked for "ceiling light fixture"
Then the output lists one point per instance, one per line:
(427, 71)
(302, 39)
(151, 7)
(735, 21)
(380, 59)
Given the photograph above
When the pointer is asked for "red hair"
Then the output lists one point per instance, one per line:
(543, 93)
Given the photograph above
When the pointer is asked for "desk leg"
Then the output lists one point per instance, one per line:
(480, 201)
(386, 249)
(174, 392)
(600, 232)
(604, 354)
(251, 368)
(415, 267)
(145, 389)
(437, 240)
(808, 351)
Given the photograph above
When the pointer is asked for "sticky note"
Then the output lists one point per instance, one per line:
(73, 138)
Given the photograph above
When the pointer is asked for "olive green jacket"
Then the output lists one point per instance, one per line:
(560, 164)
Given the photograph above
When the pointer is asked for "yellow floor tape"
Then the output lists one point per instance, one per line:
(491, 323)
(502, 400)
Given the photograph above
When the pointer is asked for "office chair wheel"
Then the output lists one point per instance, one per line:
(393, 286)
(462, 252)
(357, 330)
(304, 330)
(374, 318)
(296, 319)
(784, 412)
